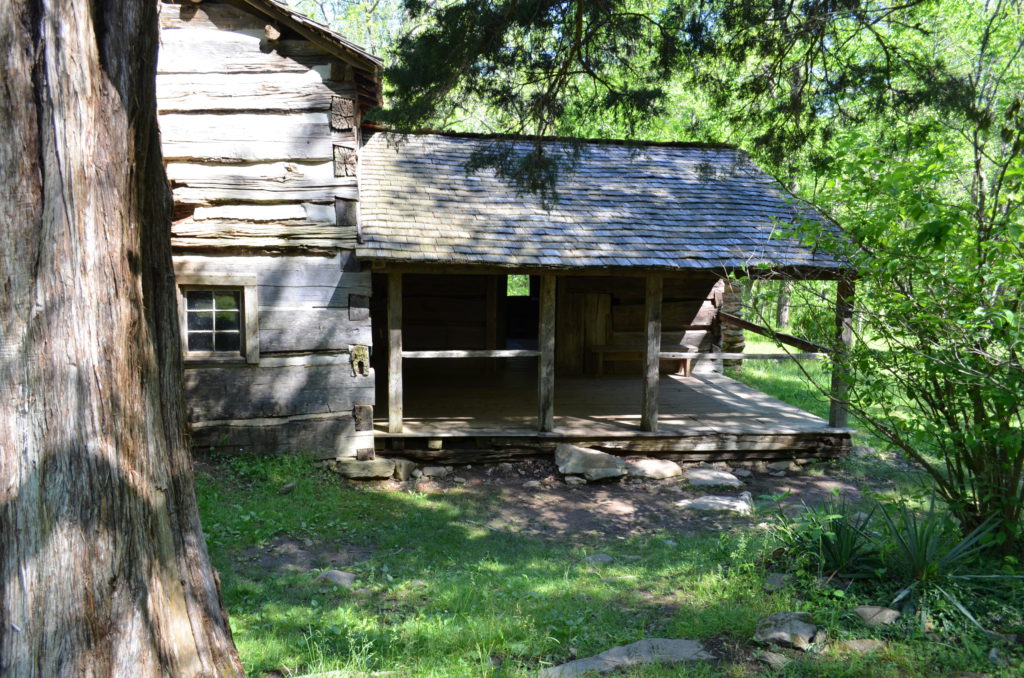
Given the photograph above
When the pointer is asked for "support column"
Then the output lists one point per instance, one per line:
(546, 361)
(838, 416)
(652, 315)
(394, 352)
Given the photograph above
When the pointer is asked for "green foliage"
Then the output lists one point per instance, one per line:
(831, 538)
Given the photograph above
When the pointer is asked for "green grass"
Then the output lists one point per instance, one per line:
(803, 384)
(449, 597)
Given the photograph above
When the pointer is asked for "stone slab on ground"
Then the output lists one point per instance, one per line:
(873, 615)
(712, 503)
(862, 645)
(786, 629)
(653, 469)
(369, 469)
(591, 464)
(709, 477)
(648, 651)
(338, 578)
(404, 468)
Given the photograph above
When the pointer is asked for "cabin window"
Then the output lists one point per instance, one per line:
(213, 321)
(218, 317)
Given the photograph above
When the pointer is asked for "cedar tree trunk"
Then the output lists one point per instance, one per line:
(103, 565)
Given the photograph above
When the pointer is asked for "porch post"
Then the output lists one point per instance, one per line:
(394, 352)
(546, 361)
(652, 313)
(838, 416)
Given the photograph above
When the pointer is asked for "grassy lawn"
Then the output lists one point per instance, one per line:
(439, 593)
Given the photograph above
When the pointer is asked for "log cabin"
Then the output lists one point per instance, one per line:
(344, 290)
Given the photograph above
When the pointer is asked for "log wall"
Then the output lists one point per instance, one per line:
(259, 135)
(609, 311)
(259, 130)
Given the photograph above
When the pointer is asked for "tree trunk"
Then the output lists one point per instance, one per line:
(104, 569)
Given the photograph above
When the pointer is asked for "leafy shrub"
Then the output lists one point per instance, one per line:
(832, 539)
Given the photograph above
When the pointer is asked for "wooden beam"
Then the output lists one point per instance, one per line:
(546, 364)
(652, 313)
(838, 416)
(395, 353)
(680, 355)
(780, 337)
(472, 353)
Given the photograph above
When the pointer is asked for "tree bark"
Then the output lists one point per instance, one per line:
(104, 569)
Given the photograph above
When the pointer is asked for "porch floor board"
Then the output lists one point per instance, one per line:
(505, 404)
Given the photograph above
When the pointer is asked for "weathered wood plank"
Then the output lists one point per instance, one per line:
(217, 51)
(272, 182)
(301, 135)
(395, 353)
(312, 90)
(312, 212)
(323, 438)
(239, 233)
(212, 16)
(311, 330)
(653, 289)
(337, 271)
(219, 392)
(473, 353)
(838, 414)
(546, 364)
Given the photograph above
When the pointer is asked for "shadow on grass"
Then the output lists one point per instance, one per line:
(439, 594)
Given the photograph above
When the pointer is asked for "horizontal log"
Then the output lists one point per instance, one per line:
(207, 185)
(235, 233)
(312, 212)
(323, 438)
(339, 270)
(311, 330)
(216, 393)
(312, 90)
(704, 447)
(251, 137)
(787, 339)
(473, 353)
(212, 16)
(218, 51)
(676, 355)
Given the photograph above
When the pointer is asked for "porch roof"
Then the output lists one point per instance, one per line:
(626, 205)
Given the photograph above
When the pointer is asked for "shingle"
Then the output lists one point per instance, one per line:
(645, 206)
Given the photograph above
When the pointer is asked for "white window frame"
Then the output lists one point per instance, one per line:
(249, 330)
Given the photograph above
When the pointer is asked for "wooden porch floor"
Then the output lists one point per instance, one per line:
(697, 413)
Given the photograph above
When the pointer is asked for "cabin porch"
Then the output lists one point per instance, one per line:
(703, 416)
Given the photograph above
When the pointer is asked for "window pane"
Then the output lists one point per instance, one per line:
(199, 300)
(200, 341)
(200, 321)
(227, 320)
(518, 286)
(226, 301)
(228, 341)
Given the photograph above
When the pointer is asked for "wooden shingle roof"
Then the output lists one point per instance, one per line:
(651, 206)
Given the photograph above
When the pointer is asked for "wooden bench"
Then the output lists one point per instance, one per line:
(622, 352)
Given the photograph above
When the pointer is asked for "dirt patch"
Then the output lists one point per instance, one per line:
(613, 510)
(287, 554)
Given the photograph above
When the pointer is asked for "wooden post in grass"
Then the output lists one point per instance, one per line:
(652, 316)
(394, 352)
(837, 413)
